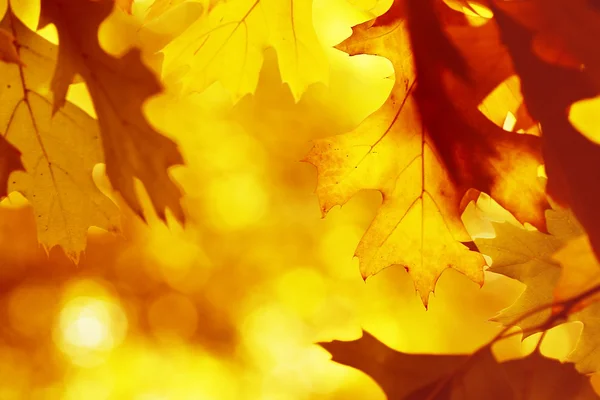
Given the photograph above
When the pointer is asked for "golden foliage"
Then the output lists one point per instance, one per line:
(454, 111)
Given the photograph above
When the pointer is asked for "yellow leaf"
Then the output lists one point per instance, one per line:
(59, 153)
(118, 88)
(425, 152)
(527, 256)
(586, 354)
(227, 45)
(580, 270)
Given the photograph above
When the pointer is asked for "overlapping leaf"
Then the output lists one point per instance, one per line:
(429, 145)
(526, 255)
(572, 160)
(118, 87)
(59, 152)
(560, 268)
(405, 376)
(227, 45)
(580, 277)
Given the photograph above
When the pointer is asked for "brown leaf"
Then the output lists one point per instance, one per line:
(460, 377)
(118, 87)
(422, 376)
(572, 160)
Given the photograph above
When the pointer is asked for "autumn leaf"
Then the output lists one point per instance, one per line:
(569, 27)
(580, 274)
(586, 354)
(556, 269)
(580, 270)
(404, 376)
(8, 51)
(571, 160)
(118, 88)
(527, 256)
(59, 152)
(424, 149)
(227, 45)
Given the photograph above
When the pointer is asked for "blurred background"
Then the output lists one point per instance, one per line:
(230, 306)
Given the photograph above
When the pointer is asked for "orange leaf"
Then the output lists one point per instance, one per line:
(8, 51)
(426, 147)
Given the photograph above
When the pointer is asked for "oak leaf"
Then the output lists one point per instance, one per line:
(59, 152)
(549, 90)
(527, 256)
(424, 151)
(118, 88)
(404, 376)
(227, 45)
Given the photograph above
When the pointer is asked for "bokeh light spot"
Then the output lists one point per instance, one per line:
(89, 328)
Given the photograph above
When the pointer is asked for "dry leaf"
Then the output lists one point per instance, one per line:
(571, 160)
(59, 152)
(118, 87)
(405, 376)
